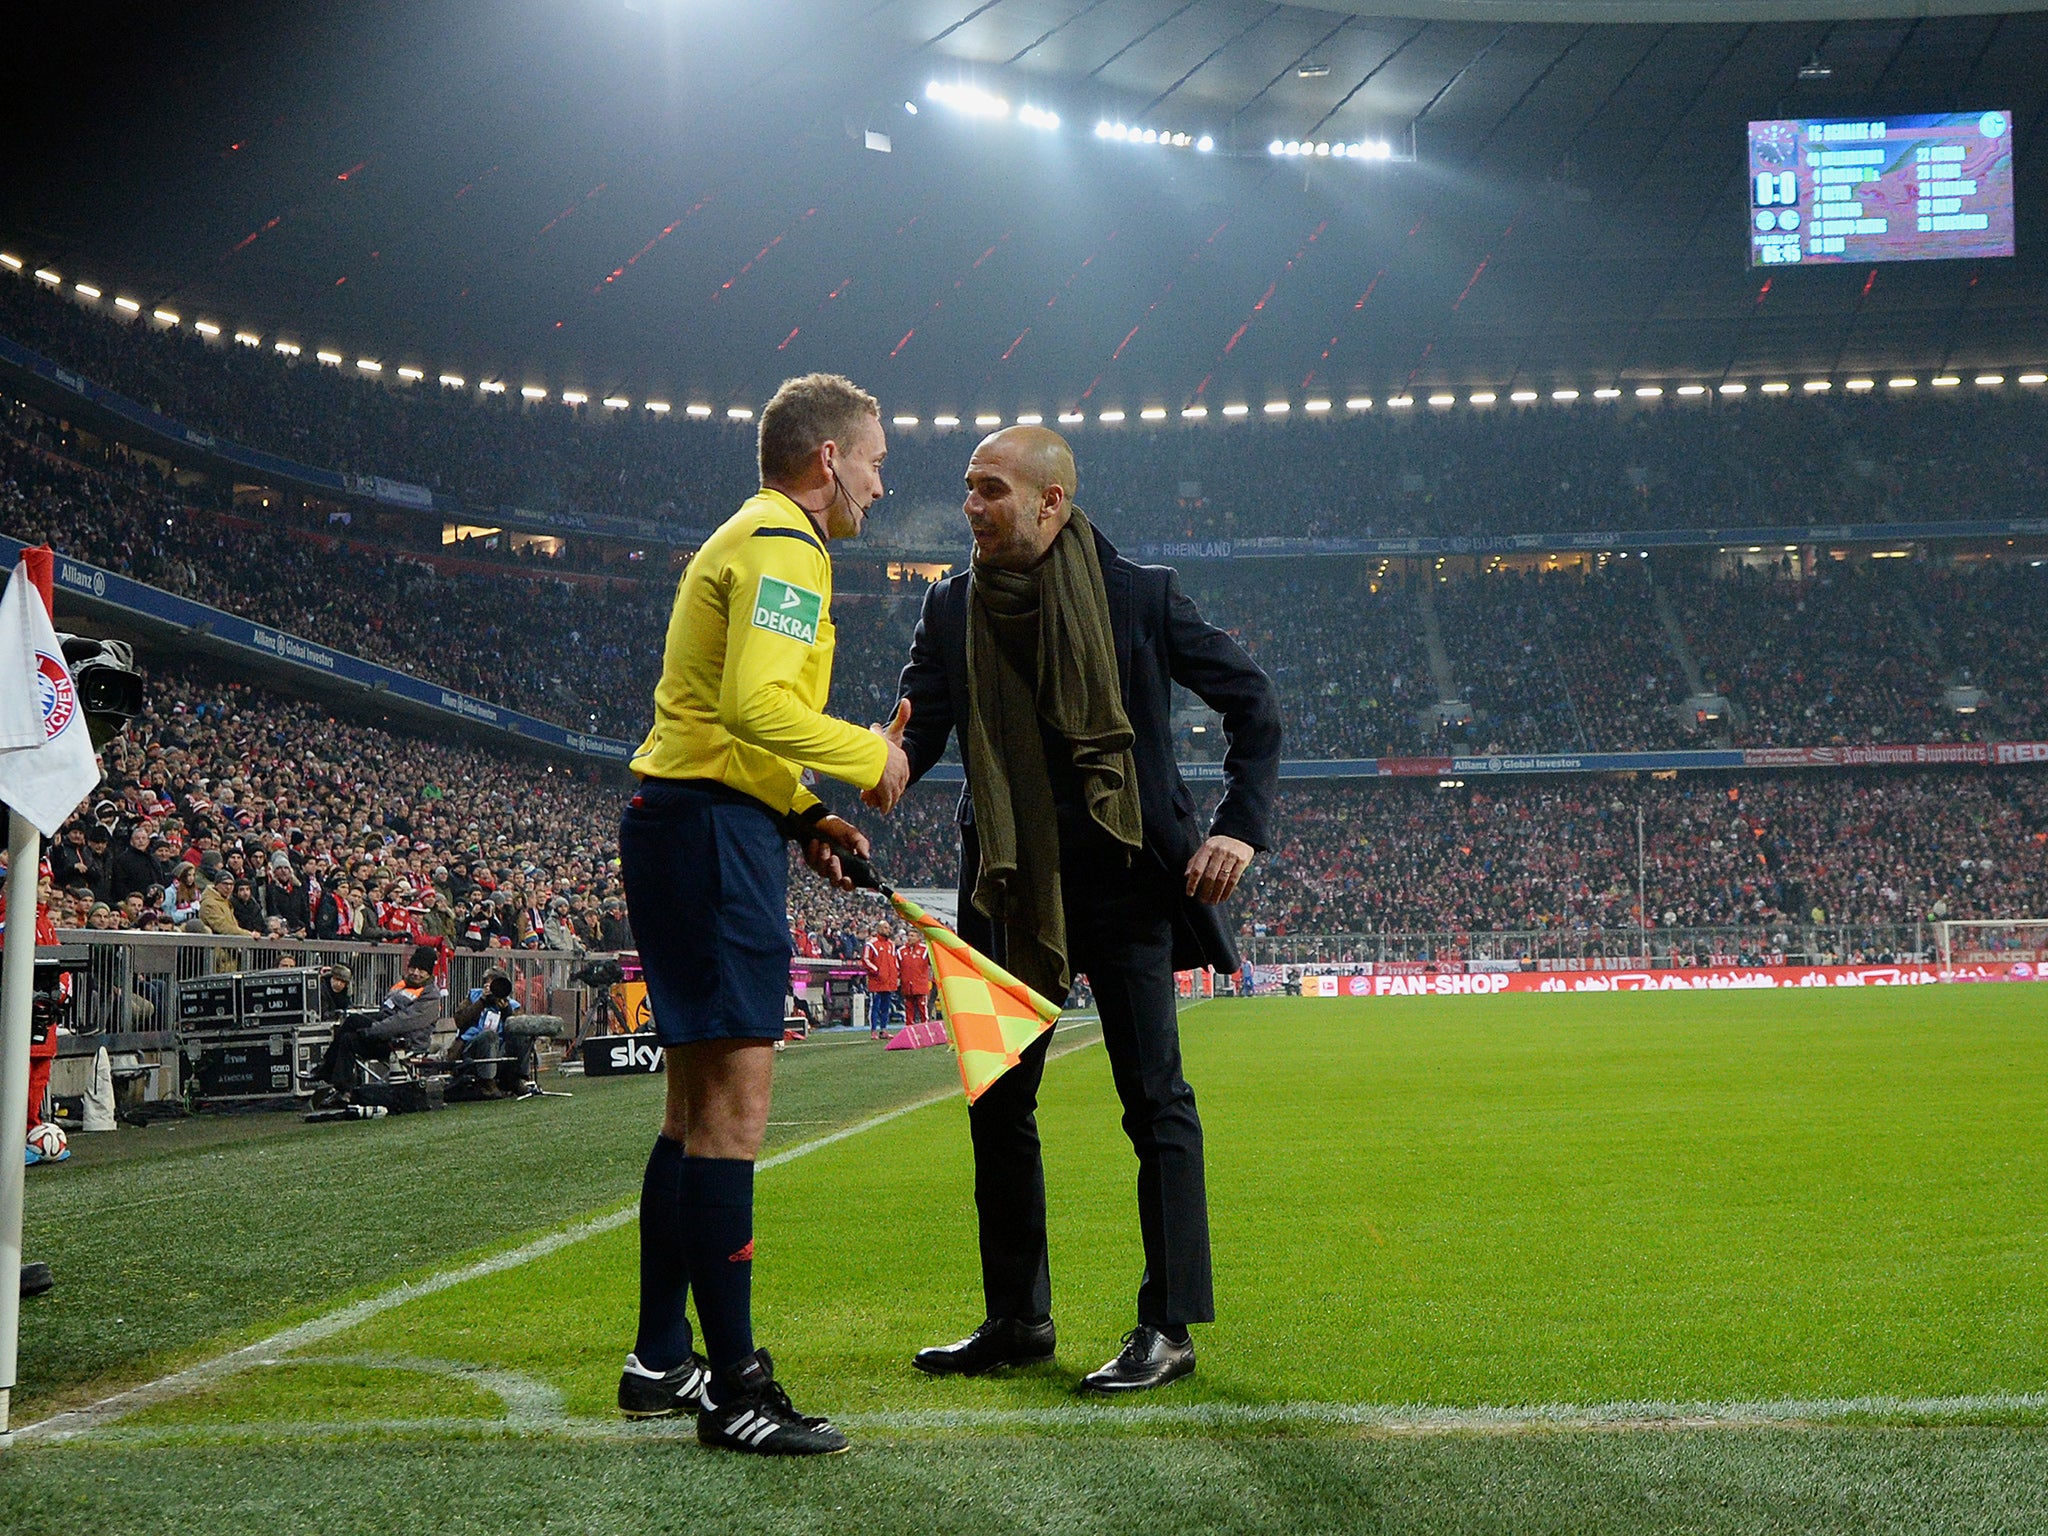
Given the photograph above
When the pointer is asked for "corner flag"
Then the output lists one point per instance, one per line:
(991, 1016)
(46, 759)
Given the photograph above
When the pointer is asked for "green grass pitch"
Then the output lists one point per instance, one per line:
(1828, 1206)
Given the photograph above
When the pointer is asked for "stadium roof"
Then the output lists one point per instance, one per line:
(661, 198)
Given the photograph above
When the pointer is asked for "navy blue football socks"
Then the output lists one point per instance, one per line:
(717, 1220)
(664, 1337)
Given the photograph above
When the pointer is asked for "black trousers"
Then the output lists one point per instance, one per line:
(353, 1044)
(1120, 934)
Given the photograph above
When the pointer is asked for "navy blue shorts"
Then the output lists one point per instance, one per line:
(706, 872)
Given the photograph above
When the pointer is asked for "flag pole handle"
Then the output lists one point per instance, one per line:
(861, 872)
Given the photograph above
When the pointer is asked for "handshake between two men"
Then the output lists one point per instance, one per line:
(1211, 876)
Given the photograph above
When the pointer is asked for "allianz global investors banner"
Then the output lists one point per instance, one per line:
(1702, 979)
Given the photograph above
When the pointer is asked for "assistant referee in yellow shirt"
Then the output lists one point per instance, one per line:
(702, 853)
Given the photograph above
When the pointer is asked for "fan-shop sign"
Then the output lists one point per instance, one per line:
(1483, 984)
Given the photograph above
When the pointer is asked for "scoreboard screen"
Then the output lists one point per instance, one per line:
(1914, 188)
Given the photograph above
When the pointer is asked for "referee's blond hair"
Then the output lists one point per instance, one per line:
(806, 412)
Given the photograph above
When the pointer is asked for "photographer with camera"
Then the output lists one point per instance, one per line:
(489, 1064)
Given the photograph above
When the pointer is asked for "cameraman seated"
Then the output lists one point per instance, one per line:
(405, 1018)
(491, 1062)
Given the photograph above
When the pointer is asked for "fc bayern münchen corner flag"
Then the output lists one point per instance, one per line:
(991, 1016)
(46, 761)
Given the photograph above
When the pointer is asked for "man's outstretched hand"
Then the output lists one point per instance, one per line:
(896, 772)
(828, 836)
(1217, 866)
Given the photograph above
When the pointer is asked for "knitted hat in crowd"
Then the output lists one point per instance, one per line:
(425, 958)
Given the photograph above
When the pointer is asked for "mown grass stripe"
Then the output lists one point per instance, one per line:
(1397, 1419)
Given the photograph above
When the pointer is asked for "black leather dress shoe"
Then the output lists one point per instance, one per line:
(1148, 1359)
(998, 1342)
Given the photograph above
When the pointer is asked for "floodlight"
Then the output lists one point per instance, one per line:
(1483, 397)
(698, 409)
(168, 316)
(1030, 419)
(1817, 386)
(1861, 384)
(248, 338)
(954, 421)
(1317, 406)
(616, 403)
(452, 381)
(1564, 394)
(1734, 389)
(1650, 392)
(968, 99)
(1204, 144)
(1358, 403)
(574, 397)
(1609, 393)
(738, 413)
(1110, 418)
(1195, 413)
(903, 421)
(988, 419)
(1038, 117)
(2034, 378)
(1276, 148)
(1519, 397)
(1400, 402)
(371, 365)
(1277, 407)
(11, 263)
(333, 360)
(288, 348)
(1777, 387)
(88, 290)
(660, 408)
(1152, 413)
(1945, 381)
(45, 275)
(1988, 379)
(128, 304)
(410, 375)
(492, 386)
(1442, 400)
(1236, 409)
(1069, 418)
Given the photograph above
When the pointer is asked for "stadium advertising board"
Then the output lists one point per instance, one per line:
(1463, 983)
(1911, 188)
(88, 583)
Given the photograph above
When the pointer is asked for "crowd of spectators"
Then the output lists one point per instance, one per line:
(1560, 855)
(1718, 462)
(229, 808)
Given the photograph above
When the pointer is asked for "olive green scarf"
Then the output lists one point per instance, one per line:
(1039, 646)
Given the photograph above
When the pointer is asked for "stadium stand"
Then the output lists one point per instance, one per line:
(1723, 463)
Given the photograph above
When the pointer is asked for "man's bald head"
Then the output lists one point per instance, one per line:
(1039, 454)
(1020, 494)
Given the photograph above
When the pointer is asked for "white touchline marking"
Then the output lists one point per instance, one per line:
(77, 1421)
(1389, 1419)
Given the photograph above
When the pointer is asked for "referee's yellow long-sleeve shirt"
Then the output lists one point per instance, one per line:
(748, 663)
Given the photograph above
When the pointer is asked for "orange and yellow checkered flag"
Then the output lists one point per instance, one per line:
(991, 1016)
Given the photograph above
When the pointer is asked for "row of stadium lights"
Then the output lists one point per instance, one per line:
(1112, 417)
(972, 101)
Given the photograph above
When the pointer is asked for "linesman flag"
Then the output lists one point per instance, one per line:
(46, 759)
(991, 1016)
